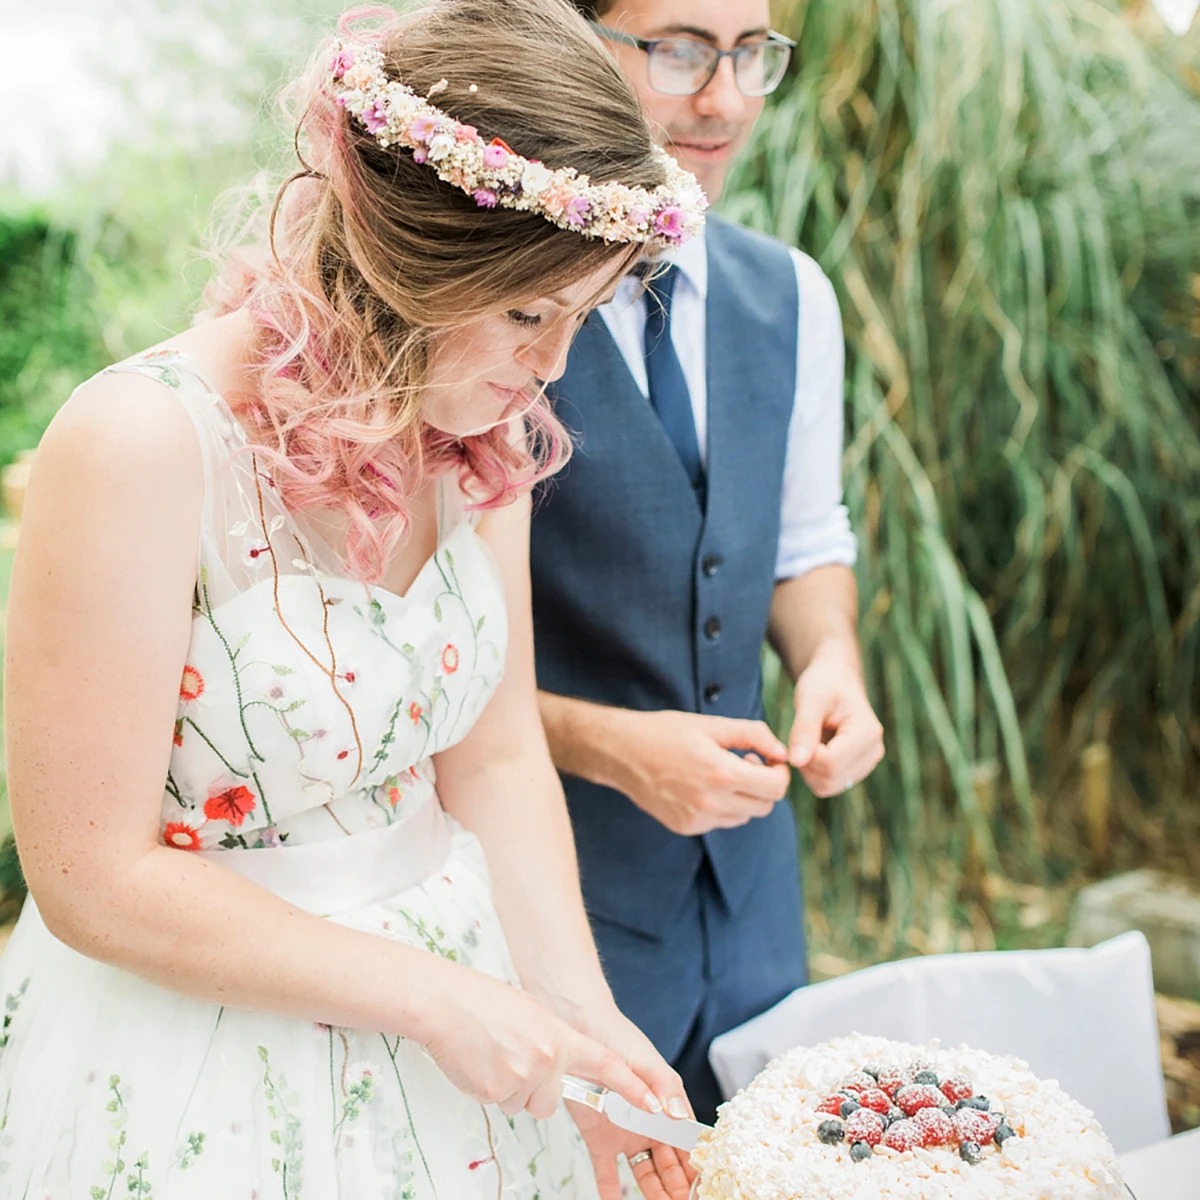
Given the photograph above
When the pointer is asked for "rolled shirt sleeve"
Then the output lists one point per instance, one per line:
(815, 525)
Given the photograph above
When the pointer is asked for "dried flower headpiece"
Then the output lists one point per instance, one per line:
(493, 174)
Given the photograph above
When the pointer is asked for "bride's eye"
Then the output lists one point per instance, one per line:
(517, 317)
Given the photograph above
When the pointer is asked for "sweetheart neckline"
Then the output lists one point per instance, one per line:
(301, 526)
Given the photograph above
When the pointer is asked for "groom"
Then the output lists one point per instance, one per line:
(701, 513)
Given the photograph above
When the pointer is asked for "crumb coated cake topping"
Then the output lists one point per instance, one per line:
(960, 1125)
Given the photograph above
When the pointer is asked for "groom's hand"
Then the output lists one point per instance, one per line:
(682, 769)
(836, 740)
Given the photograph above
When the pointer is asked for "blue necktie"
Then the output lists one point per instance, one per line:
(664, 374)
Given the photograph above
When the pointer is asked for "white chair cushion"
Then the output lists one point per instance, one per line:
(1083, 1017)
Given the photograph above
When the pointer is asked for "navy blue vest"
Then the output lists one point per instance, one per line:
(643, 601)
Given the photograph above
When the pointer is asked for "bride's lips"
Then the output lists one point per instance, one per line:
(507, 393)
(514, 398)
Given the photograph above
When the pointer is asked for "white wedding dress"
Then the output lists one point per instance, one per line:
(309, 710)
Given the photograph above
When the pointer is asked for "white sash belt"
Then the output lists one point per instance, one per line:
(343, 874)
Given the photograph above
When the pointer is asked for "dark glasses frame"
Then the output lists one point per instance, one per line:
(647, 46)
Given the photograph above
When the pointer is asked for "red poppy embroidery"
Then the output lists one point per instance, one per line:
(450, 658)
(350, 677)
(179, 836)
(231, 805)
(191, 687)
(480, 1162)
(394, 796)
(343, 754)
(414, 713)
(179, 732)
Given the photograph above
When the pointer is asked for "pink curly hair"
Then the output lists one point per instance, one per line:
(368, 257)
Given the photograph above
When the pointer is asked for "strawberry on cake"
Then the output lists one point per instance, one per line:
(864, 1118)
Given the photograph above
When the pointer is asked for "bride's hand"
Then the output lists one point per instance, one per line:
(668, 1174)
(501, 1046)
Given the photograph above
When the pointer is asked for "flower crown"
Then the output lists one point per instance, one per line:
(493, 174)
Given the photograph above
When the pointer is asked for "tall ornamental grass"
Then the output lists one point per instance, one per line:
(1006, 194)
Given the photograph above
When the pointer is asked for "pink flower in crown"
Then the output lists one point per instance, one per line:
(466, 133)
(485, 198)
(495, 158)
(421, 128)
(579, 211)
(556, 198)
(669, 222)
(420, 157)
(375, 117)
(639, 214)
(343, 60)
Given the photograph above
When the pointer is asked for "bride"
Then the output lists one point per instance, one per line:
(304, 915)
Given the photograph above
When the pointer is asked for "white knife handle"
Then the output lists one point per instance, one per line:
(583, 1092)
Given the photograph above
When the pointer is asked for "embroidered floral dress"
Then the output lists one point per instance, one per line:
(309, 710)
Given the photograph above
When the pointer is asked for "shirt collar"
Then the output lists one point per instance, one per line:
(692, 260)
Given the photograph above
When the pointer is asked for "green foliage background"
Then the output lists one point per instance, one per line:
(1006, 194)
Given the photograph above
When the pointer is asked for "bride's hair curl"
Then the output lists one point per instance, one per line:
(368, 256)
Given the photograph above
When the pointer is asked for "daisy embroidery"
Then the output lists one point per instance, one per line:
(191, 687)
(179, 836)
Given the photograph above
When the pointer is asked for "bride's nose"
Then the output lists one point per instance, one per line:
(545, 354)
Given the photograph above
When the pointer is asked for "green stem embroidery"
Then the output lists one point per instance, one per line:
(262, 795)
(290, 1166)
(192, 1151)
(208, 741)
(173, 788)
(120, 1115)
(237, 678)
(392, 1051)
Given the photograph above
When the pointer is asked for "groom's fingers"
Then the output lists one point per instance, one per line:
(733, 734)
(757, 780)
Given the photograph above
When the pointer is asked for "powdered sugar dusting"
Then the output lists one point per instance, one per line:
(765, 1145)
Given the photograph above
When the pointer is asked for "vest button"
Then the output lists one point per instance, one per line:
(711, 564)
(712, 692)
(712, 628)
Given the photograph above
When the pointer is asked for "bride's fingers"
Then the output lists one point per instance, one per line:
(544, 1100)
(646, 1175)
(672, 1173)
(688, 1169)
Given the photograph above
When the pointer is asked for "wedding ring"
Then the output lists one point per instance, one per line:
(640, 1157)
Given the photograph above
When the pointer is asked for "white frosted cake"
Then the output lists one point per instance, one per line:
(864, 1118)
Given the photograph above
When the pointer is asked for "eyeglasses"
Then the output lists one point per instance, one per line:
(684, 66)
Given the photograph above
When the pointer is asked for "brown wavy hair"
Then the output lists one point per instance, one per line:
(369, 256)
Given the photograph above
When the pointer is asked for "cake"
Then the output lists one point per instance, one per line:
(864, 1118)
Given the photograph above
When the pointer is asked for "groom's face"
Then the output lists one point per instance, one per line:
(706, 131)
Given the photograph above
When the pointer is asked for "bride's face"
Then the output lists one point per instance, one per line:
(489, 370)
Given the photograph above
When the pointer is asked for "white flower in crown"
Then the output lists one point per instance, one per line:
(535, 179)
(495, 175)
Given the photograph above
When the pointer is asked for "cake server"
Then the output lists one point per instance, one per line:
(671, 1131)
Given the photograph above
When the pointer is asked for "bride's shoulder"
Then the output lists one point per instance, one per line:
(121, 431)
(127, 414)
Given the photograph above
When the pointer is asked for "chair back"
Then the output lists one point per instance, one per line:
(1085, 1017)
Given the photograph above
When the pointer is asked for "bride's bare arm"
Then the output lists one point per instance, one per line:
(98, 629)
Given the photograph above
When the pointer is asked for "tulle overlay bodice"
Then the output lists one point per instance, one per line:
(310, 704)
(310, 709)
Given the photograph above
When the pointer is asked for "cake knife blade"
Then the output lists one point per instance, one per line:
(671, 1131)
